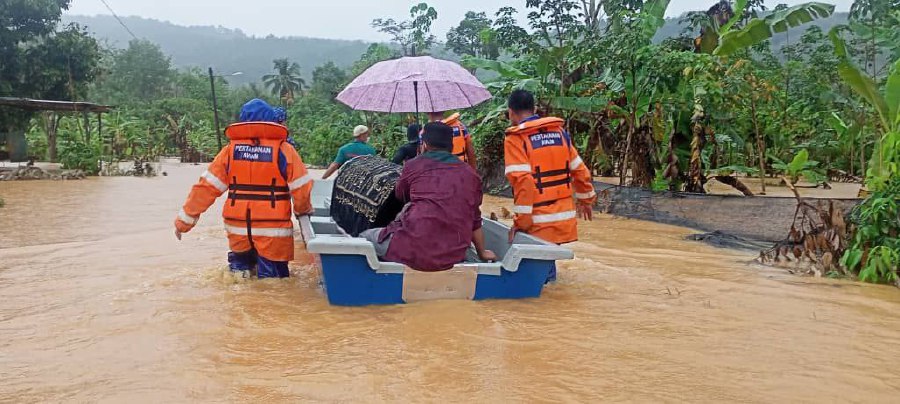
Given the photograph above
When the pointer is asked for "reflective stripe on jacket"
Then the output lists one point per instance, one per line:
(546, 172)
(259, 205)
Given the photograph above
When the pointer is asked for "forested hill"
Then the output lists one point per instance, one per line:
(226, 50)
(230, 50)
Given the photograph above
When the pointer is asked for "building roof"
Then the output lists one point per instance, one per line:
(47, 105)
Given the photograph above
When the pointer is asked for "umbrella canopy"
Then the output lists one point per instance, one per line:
(395, 85)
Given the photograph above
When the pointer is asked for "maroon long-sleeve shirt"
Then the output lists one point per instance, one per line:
(443, 196)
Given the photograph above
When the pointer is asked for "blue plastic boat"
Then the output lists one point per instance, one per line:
(353, 275)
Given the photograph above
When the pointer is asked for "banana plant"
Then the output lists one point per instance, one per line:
(800, 166)
(726, 39)
(886, 158)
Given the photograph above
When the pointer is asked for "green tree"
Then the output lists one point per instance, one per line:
(287, 82)
(327, 80)
(413, 35)
(508, 34)
(37, 61)
(875, 23)
(376, 53)
(141, 72)
(554, 21)
(474, 37)
(60, 69)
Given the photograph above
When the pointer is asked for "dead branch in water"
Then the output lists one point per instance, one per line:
(734, 183)
(818, 238)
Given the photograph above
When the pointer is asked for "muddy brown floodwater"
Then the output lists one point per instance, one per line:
(98, 302)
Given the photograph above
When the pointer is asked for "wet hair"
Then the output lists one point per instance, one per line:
(521, 101)
(438, 136)
(412, 132)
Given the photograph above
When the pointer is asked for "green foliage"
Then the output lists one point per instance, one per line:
(39, 60)
(761, 29)
(374, 54)
(474, 37)
(886, 157)
(413, 35)
(874, 251)
(286, 83)
(81, 156)
(140, 73)
(328, 80)
(800, 166)
(227, 50)
(508, 34)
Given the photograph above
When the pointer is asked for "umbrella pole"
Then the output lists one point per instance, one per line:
(416, 90)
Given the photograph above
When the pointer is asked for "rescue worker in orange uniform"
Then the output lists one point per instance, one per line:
(262, 175)
(551, 185)
(463, 148)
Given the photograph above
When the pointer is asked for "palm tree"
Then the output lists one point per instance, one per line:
(286, 81)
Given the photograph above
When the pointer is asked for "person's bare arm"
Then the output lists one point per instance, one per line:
(470, 154)
(483, 253)
(331, 170)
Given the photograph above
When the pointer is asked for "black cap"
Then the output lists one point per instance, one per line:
(438, 135)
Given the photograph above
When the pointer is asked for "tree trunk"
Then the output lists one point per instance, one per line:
(862, 158)
(760, 146)
(623, 170)
(695, 182)
(51, 126)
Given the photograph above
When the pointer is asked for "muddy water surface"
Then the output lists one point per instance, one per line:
(98, 302)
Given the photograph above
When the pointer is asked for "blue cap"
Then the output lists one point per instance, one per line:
(257, 110)
(280, 115)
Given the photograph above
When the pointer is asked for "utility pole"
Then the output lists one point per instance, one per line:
(212, 85)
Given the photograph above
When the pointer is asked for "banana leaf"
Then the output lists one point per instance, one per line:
(654, 17)
(762, 29)
(857, 80)
(505, 70)
(892, 97)
(739, 7)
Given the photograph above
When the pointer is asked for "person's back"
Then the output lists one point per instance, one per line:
(266, 182)
(436, 229)
(442, 217)
(358, 147)
(546, 173)
(410, 150)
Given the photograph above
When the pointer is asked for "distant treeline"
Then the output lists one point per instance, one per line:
(231, 50)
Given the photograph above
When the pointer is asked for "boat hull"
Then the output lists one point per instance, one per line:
(352, 274)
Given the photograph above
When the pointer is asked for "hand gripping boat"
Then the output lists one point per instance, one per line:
(353, 275)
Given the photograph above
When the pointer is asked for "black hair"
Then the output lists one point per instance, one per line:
(412, 132)
(521, 101)
(438, 136)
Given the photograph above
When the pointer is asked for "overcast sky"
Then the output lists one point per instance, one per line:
(344, 19)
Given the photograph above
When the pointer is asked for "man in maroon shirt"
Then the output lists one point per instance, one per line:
(442, 216)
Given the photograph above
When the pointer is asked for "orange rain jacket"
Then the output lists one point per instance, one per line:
(258, 210)
(545, 172)
(460, 137)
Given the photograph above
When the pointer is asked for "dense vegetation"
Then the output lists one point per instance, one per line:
(664, 110)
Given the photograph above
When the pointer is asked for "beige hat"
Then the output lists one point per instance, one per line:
(360, 130)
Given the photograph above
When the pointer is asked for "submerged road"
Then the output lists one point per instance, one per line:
(99, 302)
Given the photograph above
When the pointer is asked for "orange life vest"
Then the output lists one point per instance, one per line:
(459, 136)
(548, 147)
(257, 191)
